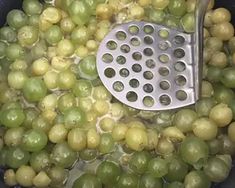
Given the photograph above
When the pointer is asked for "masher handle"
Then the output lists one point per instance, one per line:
(201, 7)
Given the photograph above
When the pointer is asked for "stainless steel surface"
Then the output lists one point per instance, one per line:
(145, 69)
(200, 14)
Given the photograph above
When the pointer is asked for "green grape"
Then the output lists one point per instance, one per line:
(62, 155)
(82, 88)
(40, 160)
(157, 167)
(74, 117)
(87, 68)
(34, 140)
(87, 181)
(8, 34)
(79, 12)
(32, 7)
(139, 162)
(177, 7)
(17, 157)
(12, 117)
(16, 18)
(193, 150)
(34, 89)
(14, 51)
(108, 172)
(28, 35)
(53, 35)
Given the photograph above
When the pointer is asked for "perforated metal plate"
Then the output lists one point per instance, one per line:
(148, 66)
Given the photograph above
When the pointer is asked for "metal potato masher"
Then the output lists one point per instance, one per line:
(151, 67)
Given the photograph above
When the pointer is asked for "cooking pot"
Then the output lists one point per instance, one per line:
(7, 5)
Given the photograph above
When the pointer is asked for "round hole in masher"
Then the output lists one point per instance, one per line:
(133, 29)
(165, 100)
(180, 66)
(163, 71)
(164, 85)
(121, 35)
(181, 95)
(148, 75)
(134, 83)
(125, 48)
(163, 33)
(121, 60)
(135, 41)
(136, 68)
(148, 52)
(163, 45)
(107, 58)
(148, 40)
(148, 88)
(180, 80)
(150, 63)
(131, 96)
(148, 29)
(109, 72)
(137, 56)
(148, 101)
(111, 45)
(179, 53)
(164, 58)
(179, 40)
(118, 86)
(124, 72)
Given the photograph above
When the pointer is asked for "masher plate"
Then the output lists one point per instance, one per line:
(148, 66)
